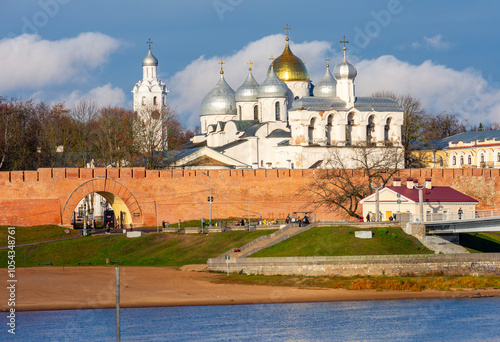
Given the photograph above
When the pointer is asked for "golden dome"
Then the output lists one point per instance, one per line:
(289, 67)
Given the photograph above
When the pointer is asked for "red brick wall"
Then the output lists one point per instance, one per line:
(39, 197)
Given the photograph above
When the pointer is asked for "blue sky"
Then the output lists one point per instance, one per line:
(444, 52)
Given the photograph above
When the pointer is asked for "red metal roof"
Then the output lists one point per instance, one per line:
(436, 194)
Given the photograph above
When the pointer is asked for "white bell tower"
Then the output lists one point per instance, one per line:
(150, 92)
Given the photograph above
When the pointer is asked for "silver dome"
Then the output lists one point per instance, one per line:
(149, 60)
(248, 91)
(327, 86)
(345, 70)
(220, 100)
(273, 86)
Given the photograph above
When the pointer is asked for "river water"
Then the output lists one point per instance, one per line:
(391, 320)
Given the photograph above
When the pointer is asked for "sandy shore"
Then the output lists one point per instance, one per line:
(50, 288)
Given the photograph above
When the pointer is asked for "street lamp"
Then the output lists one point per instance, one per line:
(157, 226)
(377, 199)
(210, 199)
(421, 201)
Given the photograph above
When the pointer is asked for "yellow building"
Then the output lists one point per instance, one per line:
(480, 149)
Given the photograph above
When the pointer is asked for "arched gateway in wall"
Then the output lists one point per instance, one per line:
(120, 198)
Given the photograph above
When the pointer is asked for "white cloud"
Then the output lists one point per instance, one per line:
(103, 96)
(30, 62)
(189, 86)
(438, 42)
(440, 88)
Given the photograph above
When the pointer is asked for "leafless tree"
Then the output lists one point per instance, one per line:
(348, 177)
(413, 124)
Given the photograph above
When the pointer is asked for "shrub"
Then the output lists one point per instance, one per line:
(382, 231)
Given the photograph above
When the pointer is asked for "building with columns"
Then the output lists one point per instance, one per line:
(288, 122)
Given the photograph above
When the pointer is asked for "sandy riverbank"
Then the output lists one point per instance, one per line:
(50, 288)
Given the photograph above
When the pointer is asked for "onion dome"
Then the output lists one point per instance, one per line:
(289, 67)
(149, 60)
(345, 70)
(327, 86)
(220, 100)
(249, 90)
(273, 86)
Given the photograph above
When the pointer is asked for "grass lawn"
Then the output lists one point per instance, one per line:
(154, 249)
(481, 242)
(333, 241)
(379, 283)
(36, 233)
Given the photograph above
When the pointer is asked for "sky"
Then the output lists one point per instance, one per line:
(444, 53)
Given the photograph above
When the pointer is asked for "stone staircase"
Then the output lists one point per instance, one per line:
(266, 241)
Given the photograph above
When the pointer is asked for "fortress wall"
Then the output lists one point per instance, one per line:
(347, 266)
(178, 194)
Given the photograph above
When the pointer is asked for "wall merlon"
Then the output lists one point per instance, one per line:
(139, 172)
(125, 173)
(31, 176)
(101, 172)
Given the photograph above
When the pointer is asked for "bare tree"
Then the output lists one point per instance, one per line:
(348, 177)
(442, 126)
(155, 132)
(84, 114)
(413, 124)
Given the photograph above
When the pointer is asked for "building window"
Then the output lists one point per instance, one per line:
(469, 159)
(255, 112)
(441, 161)
(498, 157)
(144, 100)
(311, 131)
(239, 112)
(348, 133)
(370, 129)
(454, 160)
(154, 101)
(277, 111)
(461, 160)
(482, 158)
(328, 130)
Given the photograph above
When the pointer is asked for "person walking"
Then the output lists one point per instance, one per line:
(460, 212)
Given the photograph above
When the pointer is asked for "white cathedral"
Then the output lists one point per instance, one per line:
(285, 122)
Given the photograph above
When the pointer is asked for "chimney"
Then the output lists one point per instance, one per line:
(409, 183)
(428, 183)
(396, 181)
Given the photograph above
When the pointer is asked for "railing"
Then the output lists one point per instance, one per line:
(466, 215)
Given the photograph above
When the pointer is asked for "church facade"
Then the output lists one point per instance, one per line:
(286, 121)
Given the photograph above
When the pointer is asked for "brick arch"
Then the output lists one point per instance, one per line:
(117, 194)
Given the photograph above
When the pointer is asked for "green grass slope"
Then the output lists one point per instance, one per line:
(36, 234)
(163, 249)
(335, 241)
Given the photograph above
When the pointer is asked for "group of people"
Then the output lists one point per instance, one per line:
(300, 221)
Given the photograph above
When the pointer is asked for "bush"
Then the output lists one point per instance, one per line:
(382, 231)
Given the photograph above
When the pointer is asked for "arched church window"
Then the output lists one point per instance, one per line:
(370, 130)
(387, 129)
(469, 160)
(144, 100)
(498, 157)
(154, 101)
(311, 131)
(461, 160)
(441, 161)
(239, 112)
(277, 111)
(329, 129)
(348, 133)
(482, 158)
(255, 112)
(454, 160)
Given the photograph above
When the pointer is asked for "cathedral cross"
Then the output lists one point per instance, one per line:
(327, 61)
(221, 63)
(250, 65)
(286, 28)
(149, 42)
(344, 42)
